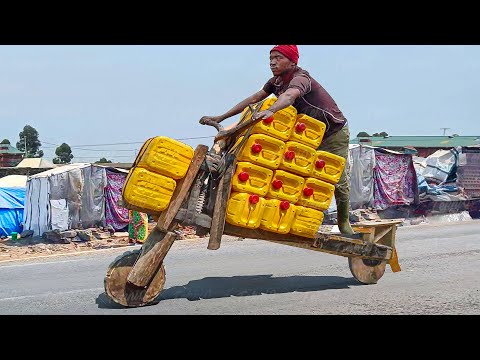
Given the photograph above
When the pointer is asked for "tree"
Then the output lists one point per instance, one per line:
(64, 154)
(5, 141)
(363, 134)
(103, 161)
(382, 134)
(29, 136)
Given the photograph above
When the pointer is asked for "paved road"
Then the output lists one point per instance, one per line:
(440, 263)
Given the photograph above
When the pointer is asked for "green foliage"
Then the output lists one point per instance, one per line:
(64, 154)
(103, 161)
(363, 134)
(29, 137)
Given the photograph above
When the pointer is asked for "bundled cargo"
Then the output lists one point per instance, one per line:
(308, 131)
(152, 180)
(279, 125)
(316, 194)
(328, 167)
(279, 163)
(251, 178)
(245, 210)
(261, 149)
(298, 158)
(277, 216)
(306, 221)
(286, 186)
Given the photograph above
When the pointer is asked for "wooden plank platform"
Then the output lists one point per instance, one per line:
(332, 244)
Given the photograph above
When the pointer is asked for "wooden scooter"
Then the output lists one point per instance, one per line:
(200, 199)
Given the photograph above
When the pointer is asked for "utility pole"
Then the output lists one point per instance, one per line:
(25, 138)
(444, 130)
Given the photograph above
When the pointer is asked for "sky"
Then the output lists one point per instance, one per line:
(106, 101)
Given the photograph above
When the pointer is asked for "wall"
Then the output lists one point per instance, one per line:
(10, 159)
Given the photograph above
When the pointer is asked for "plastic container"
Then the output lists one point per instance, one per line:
(328, 167)
(308, 131)
(280, 125)
(147, 191)
(316, 194)
(245, 210)
(277, 216)
(306, 222)
(263, 150)
(285, 186)
(14, 235)
(298, 158)
(251, 178)
(165, 156)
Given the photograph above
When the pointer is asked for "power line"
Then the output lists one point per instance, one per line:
(91, 157)
(131, 143)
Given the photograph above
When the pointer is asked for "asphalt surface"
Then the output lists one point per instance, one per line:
(440, 275)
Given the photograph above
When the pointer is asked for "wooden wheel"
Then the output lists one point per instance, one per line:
(366, 271)
(126, 294)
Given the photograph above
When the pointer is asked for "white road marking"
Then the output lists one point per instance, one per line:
(50, 294)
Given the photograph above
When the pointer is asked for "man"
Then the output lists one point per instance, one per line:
(294, 86)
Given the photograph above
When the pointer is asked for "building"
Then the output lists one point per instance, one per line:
(422, 146)
(36, 163)
(9, 155)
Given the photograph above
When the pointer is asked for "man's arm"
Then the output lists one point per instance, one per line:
(283, 101)
(237, 109)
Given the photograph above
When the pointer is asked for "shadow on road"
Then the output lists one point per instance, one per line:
(221, 287)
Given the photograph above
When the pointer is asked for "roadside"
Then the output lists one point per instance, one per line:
(73, 242)
(69, 242)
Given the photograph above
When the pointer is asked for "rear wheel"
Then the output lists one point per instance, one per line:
(366, 271)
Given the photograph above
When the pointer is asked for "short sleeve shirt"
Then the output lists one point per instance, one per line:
(313, 101)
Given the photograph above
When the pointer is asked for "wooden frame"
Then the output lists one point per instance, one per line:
(381, 232)
(376, 239)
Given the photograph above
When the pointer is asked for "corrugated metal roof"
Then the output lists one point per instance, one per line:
(419, 141)
(36, 163)
(9, 149)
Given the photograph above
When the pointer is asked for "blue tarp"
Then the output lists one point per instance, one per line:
(12, 202)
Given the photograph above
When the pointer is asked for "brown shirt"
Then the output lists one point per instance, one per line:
(314, 100)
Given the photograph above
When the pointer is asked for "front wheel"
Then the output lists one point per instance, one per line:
(122, 292)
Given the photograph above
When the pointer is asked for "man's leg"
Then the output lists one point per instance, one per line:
(337, 144)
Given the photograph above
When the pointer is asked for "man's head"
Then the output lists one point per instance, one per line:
(283, 58)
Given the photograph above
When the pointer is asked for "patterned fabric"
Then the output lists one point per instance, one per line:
(137, 227)
(395, 180)
(116, 216)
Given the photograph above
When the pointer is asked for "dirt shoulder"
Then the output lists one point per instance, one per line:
(37, 246)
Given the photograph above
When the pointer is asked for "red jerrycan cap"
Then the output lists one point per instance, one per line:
(243, 176)
(290, 155)
(268, 120)
(254, 199)
(284, 205)
(277, 184)
(301, 127)
(308, 191)
(320, 164)
(256, 148)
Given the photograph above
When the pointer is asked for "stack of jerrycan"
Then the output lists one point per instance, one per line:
(282, 183)
(153, 178)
